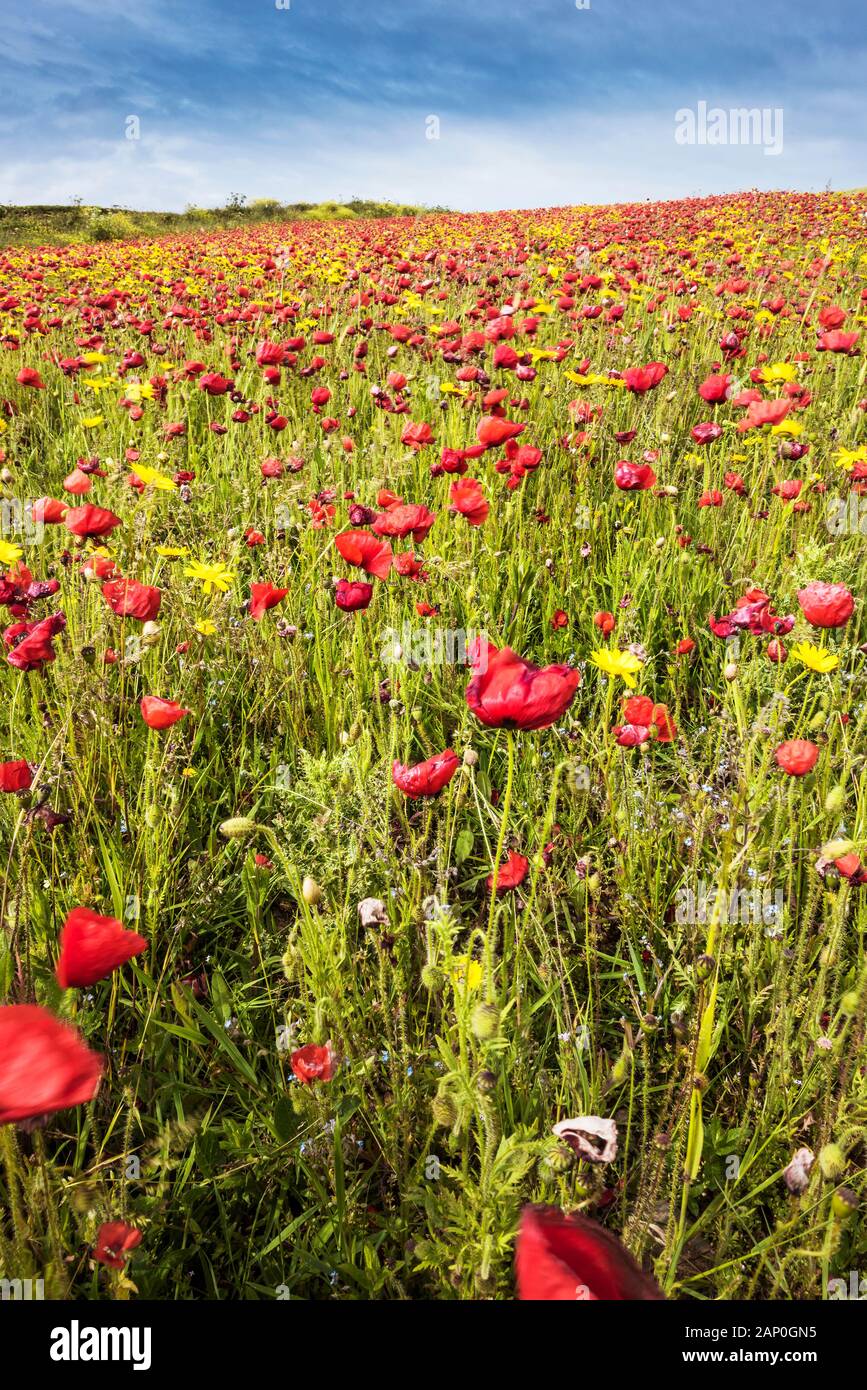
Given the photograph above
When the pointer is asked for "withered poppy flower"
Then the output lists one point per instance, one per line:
(511, 874)
(797, 757)
(44, 1064)
(15, 776)
(130, 599)
(427, 778)
(559, 1257)
(91, 947)
(263, 597)
(115, 1240)
(361, 548)
(90, 521)
(160, 714)
(826, 605)
(508, 692)
(31, 643)
(314, 1063)
(352, 594)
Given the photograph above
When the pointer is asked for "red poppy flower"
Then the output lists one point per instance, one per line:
(416, 436)
(129, 599)
(47, 511)
(427, 778)
(511, 874)
(760, 413)
(352, 594)
(715, 388)
(560, 1257)
(826, 605)
(90, 521)
(604, 621)
(160, 714)
(214, 384)
(15, 777)
(28, 376)
(849, 866)
(91, 947)
(362, 549)
(508, 692)
(684, 646)
(114, 1241)
(77, 483)
(835, 341)
(469, 500)
(44, 1065)
(797, 757)
(314, 1063)
(634, 477)
(493, 431)
(559, 619)
(263, 597)
(403, 521)
(707, 432)
(641, 379)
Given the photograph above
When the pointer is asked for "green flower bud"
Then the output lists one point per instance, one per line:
(832, 1162)
(485, 1022)
(237, 827)
(844, 1203)
(835, 800)
(444, 1110)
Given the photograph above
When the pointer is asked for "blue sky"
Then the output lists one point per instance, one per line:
(538, 103)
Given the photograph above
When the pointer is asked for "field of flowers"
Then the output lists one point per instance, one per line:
(432, 731)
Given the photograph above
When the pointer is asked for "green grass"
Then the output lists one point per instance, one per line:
(62, 225)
